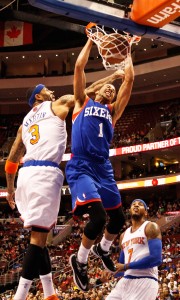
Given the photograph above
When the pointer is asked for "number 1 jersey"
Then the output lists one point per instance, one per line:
(92, 131)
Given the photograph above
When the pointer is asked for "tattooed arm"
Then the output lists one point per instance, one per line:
(16, 152)
(63, 105)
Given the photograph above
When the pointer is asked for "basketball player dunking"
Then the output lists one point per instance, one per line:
(140, 255)
(89, 172)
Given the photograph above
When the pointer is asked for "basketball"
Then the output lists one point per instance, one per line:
(114, 48)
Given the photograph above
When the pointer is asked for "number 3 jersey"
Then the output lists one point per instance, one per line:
(92, 131)
(44, 134)
(135, 247)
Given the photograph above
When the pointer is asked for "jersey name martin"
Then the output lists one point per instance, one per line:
(98, 112)
(35, 118)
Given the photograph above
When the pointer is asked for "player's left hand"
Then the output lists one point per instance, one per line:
(10, 200)
(119, 268)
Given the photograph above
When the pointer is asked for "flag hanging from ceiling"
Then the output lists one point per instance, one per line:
(15, 33)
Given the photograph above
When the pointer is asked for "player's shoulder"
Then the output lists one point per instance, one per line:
(19, 131)
(151, 224)
(122, 235)
(152, 230)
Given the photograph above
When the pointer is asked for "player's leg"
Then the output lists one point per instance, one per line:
(46, 276)
(35, 207)
(111, 201)
(97, 219)
(31, 264)
(136, 289)
(101, 250)
(117, 292)
(84, 187)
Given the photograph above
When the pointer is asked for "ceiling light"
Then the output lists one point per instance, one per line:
(145, 49)
(40, 55)
(57, 54)
(7, 57)
(23, 56)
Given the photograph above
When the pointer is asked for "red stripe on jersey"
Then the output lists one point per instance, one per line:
(74, 116)
(85, 202)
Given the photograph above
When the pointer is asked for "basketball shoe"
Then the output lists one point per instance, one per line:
(79, 273)
(104, 256)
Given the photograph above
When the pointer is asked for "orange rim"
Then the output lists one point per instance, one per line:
(90, 25)
(136, 39)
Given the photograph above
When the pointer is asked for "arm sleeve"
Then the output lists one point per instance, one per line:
(120, 260)
(121, 257)
(153, 259)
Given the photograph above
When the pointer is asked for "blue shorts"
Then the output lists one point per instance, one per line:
(90, 181)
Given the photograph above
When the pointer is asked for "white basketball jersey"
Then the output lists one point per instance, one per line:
(44, 134)
(135, 247)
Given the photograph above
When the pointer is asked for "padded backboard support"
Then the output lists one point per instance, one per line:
(111, 17)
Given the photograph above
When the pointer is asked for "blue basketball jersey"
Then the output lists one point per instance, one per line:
(92, 131)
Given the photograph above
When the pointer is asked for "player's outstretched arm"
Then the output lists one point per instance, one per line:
(124, 92)
(79, 74)
(96, 86)
(16, 153)
(63, 105)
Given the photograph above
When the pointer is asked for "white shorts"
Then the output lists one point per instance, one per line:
(38, 195)
(134, 289)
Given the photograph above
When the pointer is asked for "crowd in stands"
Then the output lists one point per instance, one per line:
(131, 129)
(162, 122)
(14, 240)
(139, 122)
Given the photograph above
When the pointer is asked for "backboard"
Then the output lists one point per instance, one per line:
(109, 14)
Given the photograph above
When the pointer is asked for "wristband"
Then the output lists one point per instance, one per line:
(11, 167)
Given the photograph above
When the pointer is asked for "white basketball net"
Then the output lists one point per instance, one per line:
(120, 45)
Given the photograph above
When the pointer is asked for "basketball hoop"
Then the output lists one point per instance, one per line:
(113, 47)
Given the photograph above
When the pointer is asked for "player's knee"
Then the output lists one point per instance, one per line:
(31, 262)
(116, 220)
(96, 224)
